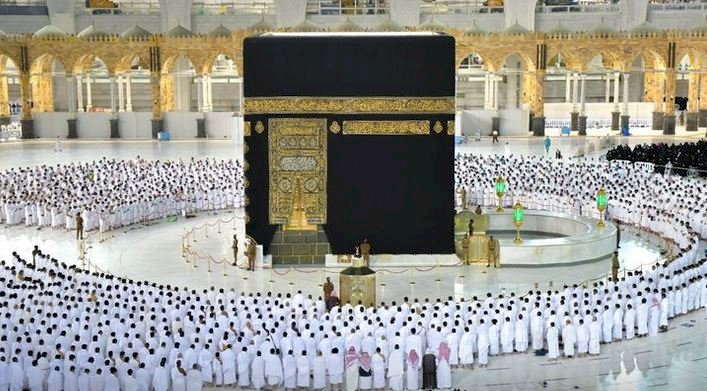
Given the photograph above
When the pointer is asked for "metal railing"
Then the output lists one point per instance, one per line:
(343, 7)
(233, 7)
(455, 7)
(589, 8)
(124, 7)
(28, 3)
(692, 6)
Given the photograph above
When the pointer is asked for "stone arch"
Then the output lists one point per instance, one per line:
(528, 64)
(472, 63)
(169, 63)
(217, 61)
(47, 70)
(178, 73)
(10, 88)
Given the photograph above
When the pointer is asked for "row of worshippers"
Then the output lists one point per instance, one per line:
(109, 194)
(57, 316)
(668, 206)
(664, 156)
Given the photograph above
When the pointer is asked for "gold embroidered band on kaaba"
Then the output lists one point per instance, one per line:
(386, 127)
(349, 105)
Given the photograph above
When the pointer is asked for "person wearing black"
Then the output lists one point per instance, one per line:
(429, 371)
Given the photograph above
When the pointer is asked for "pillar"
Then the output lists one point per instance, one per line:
(494, 79)
(582, 112)
(568, 87)
(204, 92)
(575, 90)
(209, 94)
(111, 80)
(121, 96)
(26, 93)
(128, 94)
(487, 91)
(155, 82)
(496, 118)
(691, 117)
(4, 99)
(624, 111)
(669, 118)
(70, 94)
(653, 84)
(79, 94)
(574, 114)
(607, 94)
(702, 103)
(536, 102)
(89, 98)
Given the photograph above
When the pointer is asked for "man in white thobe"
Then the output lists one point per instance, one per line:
(569, 338)
(396, 369)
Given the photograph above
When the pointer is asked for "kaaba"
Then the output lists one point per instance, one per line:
(349, 136)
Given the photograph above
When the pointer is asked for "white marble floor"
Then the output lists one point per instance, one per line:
(672, 361)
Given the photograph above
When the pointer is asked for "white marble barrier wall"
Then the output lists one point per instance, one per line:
(586, 242)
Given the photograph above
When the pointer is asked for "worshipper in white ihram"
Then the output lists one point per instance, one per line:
(444, 370)
(569, 339)
(335, 369)
(594, 336)
(319, 369)
(378, 365)
(303, 370)
(351, 369)
(396, 369)
(466, 348)
(365, 374)
(413, 371)
(258, 371)
(553, 344)
(289, 371)
(243, 368)
(194, 382)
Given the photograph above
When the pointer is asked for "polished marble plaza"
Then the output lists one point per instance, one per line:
(154, 252)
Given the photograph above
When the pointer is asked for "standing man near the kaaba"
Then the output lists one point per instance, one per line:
(250, 253)
(234, 246)
(493, 247)
(365, 250)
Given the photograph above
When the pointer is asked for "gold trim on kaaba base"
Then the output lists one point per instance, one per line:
(450, 128)
(349, 105)
(386, 127)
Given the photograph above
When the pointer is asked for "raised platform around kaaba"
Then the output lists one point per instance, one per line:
(360, 127)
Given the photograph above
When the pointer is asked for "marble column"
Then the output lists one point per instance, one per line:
(70, 95)
(574, 115)
(204, 105)
(209, 94)
(624, 111)
(582, 109)
(496, 119)
(615, 125)
(568, 87)
(128, 95)
(121, 96)
(691, 117)
(111, 80)
(89, 98)
(607, 94)
(79, 94)
(487, 91)
(670, 86)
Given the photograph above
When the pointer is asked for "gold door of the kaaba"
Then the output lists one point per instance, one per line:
(298, 169)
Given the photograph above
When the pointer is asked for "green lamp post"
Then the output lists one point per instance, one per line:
(518, 212)
(601, 206)
(500, 192)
